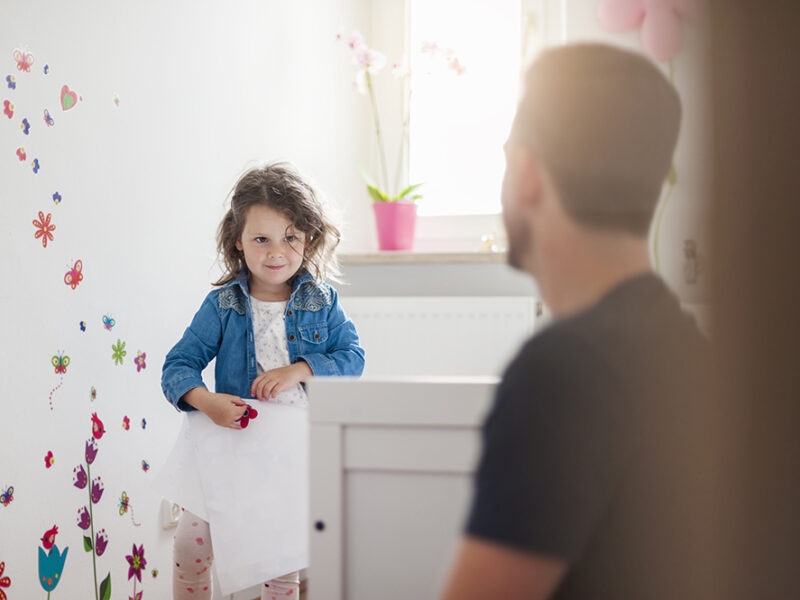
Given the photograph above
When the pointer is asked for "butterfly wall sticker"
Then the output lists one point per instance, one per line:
(24, 60)
(74, 276)
(60, 362)
(7, 496)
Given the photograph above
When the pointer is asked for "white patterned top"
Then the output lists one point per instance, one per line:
(269, 331)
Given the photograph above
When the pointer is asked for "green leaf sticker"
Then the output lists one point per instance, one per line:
(87, 543)
(105, 588)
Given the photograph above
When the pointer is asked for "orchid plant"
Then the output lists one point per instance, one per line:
(369, 63)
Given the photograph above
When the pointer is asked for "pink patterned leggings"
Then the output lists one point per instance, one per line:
(193, 557)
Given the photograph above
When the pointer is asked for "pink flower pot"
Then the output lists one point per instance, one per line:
(395, 222)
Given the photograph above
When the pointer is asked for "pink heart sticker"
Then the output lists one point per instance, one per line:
(68, 98)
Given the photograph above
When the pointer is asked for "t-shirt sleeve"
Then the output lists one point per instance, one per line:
(555, 447)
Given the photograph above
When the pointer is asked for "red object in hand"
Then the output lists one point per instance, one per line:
(249, 413)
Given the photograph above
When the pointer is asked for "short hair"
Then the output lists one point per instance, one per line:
(604, 121)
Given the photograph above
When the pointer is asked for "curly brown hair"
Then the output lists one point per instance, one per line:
(280, 186)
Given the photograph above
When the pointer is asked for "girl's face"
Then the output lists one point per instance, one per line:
(273, 250)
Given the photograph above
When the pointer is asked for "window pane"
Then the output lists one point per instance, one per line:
(459, 123)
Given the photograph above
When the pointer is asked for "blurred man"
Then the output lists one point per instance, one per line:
(581, 490)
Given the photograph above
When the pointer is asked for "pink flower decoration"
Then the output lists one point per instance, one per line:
(100, 542)
(661, 20)
(139, 361)
(137, 562)
(91, 450)
(48, 459)
(83, 518)
(79, 479)
(44, 229)
(97, 490)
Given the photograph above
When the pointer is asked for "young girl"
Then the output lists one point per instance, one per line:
(271, 324)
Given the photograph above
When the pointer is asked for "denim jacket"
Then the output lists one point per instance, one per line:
(317, 331)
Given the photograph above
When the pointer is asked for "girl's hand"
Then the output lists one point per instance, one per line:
(225, 410)
(271, 383)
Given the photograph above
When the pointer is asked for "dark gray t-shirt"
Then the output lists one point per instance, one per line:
(586, 448)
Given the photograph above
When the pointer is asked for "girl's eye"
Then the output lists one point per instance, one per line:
(289, 238)
(261, 240)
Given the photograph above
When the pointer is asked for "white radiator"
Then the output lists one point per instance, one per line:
(440, 335)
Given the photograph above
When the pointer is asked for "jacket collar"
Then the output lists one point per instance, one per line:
(240, 281)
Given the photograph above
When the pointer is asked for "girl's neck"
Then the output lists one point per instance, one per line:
(279, 293)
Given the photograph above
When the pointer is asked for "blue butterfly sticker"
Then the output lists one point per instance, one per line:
(35, 165)
(145, 466)
(83, 325)
(12, 83)
(25, 126)
(57, 198)
(48, 119)
(46, 69)
(7, 496)
(144, 423)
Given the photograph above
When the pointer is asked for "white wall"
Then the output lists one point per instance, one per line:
(206, 90)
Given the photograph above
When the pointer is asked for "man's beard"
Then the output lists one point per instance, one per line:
(519, 242)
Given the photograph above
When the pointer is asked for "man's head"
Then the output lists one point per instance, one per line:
(594, 135)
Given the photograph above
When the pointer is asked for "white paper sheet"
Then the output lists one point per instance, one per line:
(253, 491)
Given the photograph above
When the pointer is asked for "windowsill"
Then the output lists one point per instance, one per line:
(399, 257)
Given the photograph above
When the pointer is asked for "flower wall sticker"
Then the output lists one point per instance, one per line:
(11, 81)
(8, 108)
(119, 352)
(51, 565)
(94, 543)
(5, 581)
(136, 562)
(126, 423)
(25, 126)
(49, 459)
(44, 229)
(139, 360)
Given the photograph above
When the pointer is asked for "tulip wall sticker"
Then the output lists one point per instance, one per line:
(51, 564)
(662, 24)
(95, 542)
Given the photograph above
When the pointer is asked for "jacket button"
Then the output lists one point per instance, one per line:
(316, 336)
(291, 337)
(289, 313)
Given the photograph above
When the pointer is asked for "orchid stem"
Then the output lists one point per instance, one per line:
(91, 524)
(381, 153)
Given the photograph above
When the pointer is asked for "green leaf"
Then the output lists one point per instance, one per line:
(409, 189)
(105, 588)
(416, 196)
(376, 194)
(87, 543)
